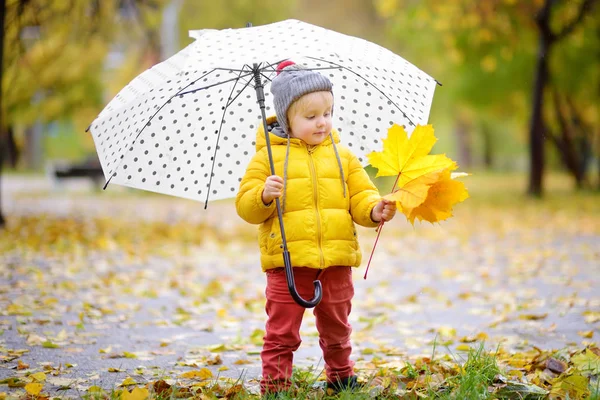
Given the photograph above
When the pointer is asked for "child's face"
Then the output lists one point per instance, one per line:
(310, 119)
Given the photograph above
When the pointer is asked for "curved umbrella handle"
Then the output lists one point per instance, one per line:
(260, 96)
(289, 274)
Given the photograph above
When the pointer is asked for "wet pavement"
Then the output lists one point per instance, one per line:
(510, 280)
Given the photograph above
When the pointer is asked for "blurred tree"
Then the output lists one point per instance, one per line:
(486, 51)
(573, 120)
(52, 70)
(555, 21)
(226, 14)
(3, 135)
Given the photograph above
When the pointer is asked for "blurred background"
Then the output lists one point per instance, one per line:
(520, 94)
(83, 269)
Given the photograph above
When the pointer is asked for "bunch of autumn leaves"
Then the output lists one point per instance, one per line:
(425, 187)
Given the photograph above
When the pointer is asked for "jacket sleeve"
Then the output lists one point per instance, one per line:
(248, 202)
(363, 193)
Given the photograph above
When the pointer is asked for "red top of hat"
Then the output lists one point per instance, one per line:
(284, 64)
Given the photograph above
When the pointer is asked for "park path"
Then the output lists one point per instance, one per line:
(95, 315)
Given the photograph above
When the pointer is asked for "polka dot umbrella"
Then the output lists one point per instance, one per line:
(186, 127)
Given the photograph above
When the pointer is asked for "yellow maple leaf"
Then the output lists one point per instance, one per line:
(425, 186)
(463, 347)
(588, 363)
(441, 197)
(128, 381)
(573, 386)
(34, 389)
(203, 373)
(38, 377)
(586, 334)
(406, 157)
(414, 192)
(135, 394)
(591, 317)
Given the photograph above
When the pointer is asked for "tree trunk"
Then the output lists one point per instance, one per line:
(568, 142)
(2, 220)
(463, 142)
(537, 127)
(12, 151)
(488, 157)
(2, 147)
(536, 130)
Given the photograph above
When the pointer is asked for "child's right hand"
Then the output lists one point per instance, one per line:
(273, 189)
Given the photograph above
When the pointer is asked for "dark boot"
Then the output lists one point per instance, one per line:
(349, 383)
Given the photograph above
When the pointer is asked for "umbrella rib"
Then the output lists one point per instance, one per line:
(232, 69)
(214, 158)
(266, 77)
(238, 95)
(150, 119)
(250, 81)
(246, 84)
(366, 80)
(215, 84)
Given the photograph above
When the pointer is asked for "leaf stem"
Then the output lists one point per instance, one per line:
(378, 230)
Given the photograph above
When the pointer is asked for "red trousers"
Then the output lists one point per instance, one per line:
(282, 336)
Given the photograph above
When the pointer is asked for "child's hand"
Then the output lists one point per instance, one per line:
(384, 211)
(273, 189)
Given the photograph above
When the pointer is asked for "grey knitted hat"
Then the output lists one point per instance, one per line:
(291, 83)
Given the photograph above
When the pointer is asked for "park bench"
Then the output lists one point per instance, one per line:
(89, 168)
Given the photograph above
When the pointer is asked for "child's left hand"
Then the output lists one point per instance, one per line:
(384, 211)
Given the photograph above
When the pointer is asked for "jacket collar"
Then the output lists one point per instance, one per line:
(279, 138)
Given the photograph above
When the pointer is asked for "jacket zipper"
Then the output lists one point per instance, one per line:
(310, 151)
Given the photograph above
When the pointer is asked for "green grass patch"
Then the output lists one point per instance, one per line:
(476, 376)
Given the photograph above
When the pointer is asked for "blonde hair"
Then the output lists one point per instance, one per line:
(302, 104)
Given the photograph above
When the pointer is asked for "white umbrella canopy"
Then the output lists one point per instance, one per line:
(186, 127)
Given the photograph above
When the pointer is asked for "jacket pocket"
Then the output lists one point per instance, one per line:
(274, 242)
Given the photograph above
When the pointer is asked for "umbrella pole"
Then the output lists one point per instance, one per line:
(260, 95)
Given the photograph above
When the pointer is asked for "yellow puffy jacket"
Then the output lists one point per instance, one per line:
(318, 219)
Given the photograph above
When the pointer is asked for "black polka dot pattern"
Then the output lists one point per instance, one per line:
(186, 127)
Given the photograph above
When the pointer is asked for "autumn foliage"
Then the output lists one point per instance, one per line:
(425, 188)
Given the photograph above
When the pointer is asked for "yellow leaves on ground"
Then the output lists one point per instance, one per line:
(135, 394)
(481, 336)
(202, 374)
(38, 377)
(588, 362)
(34, 388)
(586, 334)
(58, 236)
(591, 317)
(463, 347)
(129, 381)
(426, 189)
(571, 387)
(533, 317)
(21, 366)
(256, 337)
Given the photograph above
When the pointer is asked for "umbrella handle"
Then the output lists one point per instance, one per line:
(289, 274)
